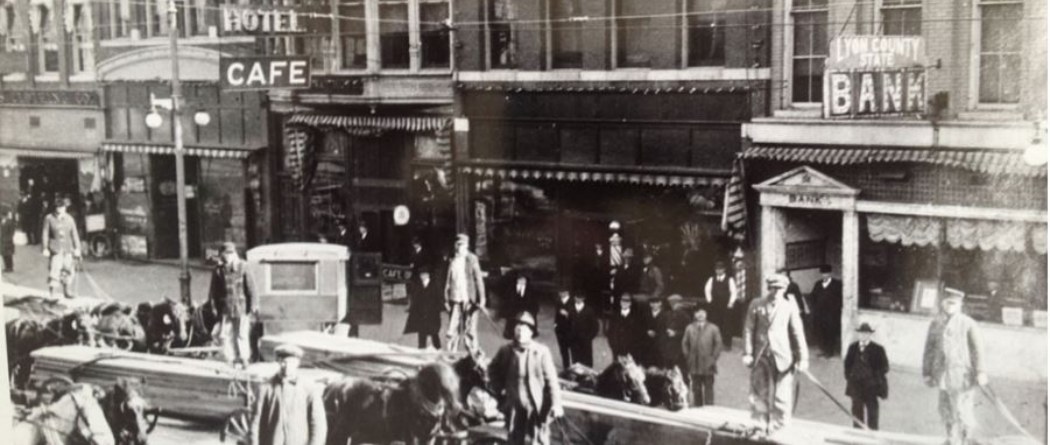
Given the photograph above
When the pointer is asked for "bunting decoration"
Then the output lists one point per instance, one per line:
(299, 161)
(734, 206)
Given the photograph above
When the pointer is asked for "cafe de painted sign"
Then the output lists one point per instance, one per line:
(870, 75)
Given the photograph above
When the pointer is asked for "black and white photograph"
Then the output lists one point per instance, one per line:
(524, 222)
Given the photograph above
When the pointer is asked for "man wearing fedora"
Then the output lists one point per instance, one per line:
(865, 368)
(232, 294)
(774, 348)
(953, 362)
(61, 243)
(526, 384)
(827, 299)
(289, 410)
(464, 296)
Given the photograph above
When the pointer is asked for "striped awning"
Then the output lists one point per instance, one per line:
(380, 123)
(983, 161)
(656, 179)
(159, 149)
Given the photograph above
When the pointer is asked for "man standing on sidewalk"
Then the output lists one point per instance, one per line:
(866, 367)
(61, 244)
(702, 345)
(232, 294)
(464, 296)
(953, 362)
(289, 410)
(774, 348)
(721, 295)
(563, 328)
(583, 327)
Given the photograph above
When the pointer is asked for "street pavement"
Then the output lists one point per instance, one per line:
(910, 408)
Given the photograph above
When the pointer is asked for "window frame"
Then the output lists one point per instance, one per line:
(489, 32)
(882, 7)
(789, 52)
(687, 15)
(974, 99)
(549, 37)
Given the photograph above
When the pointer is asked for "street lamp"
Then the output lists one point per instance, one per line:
(1035, 154)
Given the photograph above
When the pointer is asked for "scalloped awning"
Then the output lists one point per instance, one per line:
(640, 178)
(375, 123)
(983, 161)
(160, 149)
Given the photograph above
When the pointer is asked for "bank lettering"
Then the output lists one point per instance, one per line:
(809, 198)
(876, 92)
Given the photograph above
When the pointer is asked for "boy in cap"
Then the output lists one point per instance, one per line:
(526, 384)
(464, 295)
(61, 243)
(288, 411)
(866, 367)
(232, 294)
(953, 363)
(775, 348)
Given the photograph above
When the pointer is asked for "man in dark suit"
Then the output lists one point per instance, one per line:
(627, 275)
(424, 309)
(583, 327)
(563, 327)
(865, 369)
(365, 241)
(520, 297)
(418, 258)
(657, 322)
(624, 333)
(652, 278)
(827, 299)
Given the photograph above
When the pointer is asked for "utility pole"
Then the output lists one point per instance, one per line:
(180, 161)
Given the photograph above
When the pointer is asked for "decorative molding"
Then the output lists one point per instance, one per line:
(66, 98)
(154, 63)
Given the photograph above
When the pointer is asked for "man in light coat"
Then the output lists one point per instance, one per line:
(526, 384)
(289, 410)
(702, 345)
(775, 348)
(464, 296)
(61, 243)
(953, 363)
(232, 294)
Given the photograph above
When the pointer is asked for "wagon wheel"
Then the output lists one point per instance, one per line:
(237, 428)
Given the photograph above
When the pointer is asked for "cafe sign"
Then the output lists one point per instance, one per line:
(263, 73)
(869, 75)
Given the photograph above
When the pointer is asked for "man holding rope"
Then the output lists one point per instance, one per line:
(464, 296)
(774, 348)
(952, 362)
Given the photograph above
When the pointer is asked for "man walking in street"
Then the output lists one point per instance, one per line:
(583, 327)
(866, 367)
(721, 295)
(953, 363)
(774, 348)
(232, 294)
(827, 299)
(61, 243)
(424, 309)
(625, 331)
(563, 328)
(526, 384)
(464, 296)
(289, 410)
(702, 345)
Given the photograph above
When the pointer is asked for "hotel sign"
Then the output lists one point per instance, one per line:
(869, 76)
(237, 20)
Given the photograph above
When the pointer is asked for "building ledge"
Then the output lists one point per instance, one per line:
(620, 75)
(1009, 135)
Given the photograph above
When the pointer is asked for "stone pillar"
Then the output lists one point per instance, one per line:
(850, 273)
(772, 244)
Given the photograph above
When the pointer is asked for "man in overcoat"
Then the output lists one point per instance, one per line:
(61, 243)
(625, 329)
(519, 297)
(827, 299)
(232, 294)
(583, 327)
(464, 296)
(563, 327)
(526, 384)
(657, 321)
(953, 362)
(865, 368)
(702, 345)
(424, 309)
(774, 348)
(289, 410)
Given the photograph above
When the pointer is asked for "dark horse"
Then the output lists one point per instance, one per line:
(117, 327)
(623, 380)
(171, 324)
(412, 411)
(667, 388)
(125, 410)
(25, 335)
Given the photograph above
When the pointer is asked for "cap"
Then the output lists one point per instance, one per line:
(462, 238)
(953, 293)
(626, 297)
(675, 298)
(825, 268)
(526, 319)
(778, 281)
(864, 327)
(720, 264)
(229, 247)
(62, 202)
(287, 350)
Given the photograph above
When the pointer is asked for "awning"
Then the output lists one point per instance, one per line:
(159, 149)
(373, 123)
(984, 161)
(657, 179)
(46, 152)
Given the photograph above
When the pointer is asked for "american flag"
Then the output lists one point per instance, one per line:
(734, 210)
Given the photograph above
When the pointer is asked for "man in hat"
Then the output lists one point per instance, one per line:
(232, 294)
(774, 348)
(583, 327)
(519, 297)
(827, 300)
(865, 369)
(61, 243)
(624, 333)
(289, 410)
(701, 346)
(563, 327)
(424, 309)
(652, 278)
(7, 238)
(658, 324)
(721, 295)
(953, 363)
(526, 384)
(464, 295)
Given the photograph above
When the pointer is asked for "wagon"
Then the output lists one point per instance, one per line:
(299, 285)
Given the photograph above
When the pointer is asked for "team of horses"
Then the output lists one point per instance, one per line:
(85, 414)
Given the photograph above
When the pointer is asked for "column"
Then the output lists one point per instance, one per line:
(772, 244)
(850, 273)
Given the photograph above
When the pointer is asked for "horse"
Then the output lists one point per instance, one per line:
(171, 324)
(623, 380)
(117, 327)
(25, 335)
(667, 388)
(412, 411)
(479, 403)
(76, 417)
(125, 410)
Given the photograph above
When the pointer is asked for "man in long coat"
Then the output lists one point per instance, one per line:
(953, 362)
(519, 297)
(61, 243)
(464, 296)
(657, 322)
(289, 410)
(526, 384)
(701, 346)
(775, 348)
(866, 367)
(625, 329)
(232, 294)
(827, 299)
(583, 327)
(424, 309)
(563, 327)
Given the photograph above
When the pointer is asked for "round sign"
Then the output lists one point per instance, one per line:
(401, 215)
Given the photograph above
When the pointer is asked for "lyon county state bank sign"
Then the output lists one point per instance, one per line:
(868, 76)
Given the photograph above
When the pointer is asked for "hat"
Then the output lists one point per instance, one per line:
(953, 293)
(626, 297)
(526, 319)
(462, 238)
(654, 299)
(674, 298)
(62, 202)
(778, 280)
(229, 247)
(287, 350)
(825, 268)
(864, 327)
(720, 264)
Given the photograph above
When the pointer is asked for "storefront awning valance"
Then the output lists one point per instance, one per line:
(657, 179)
(373, 123)
(968, 234)
(984, 161)
(157, 149)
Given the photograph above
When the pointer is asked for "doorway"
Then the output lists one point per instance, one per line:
(166, 210)
(812, 238)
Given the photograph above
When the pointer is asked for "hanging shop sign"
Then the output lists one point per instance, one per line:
(238, 19)
(867, 76)
(264, 73)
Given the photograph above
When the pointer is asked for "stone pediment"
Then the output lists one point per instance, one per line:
(806, 187)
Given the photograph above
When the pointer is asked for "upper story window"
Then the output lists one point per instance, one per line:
(809, 49)
(999, 52)
(705, 36)
(393, 34)
(80, 36)
(901, 17)
(632, 33)
(10, 29)
(434, 37)
(565, 31)
(353, 39)
(500, 34)
(45, 32)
